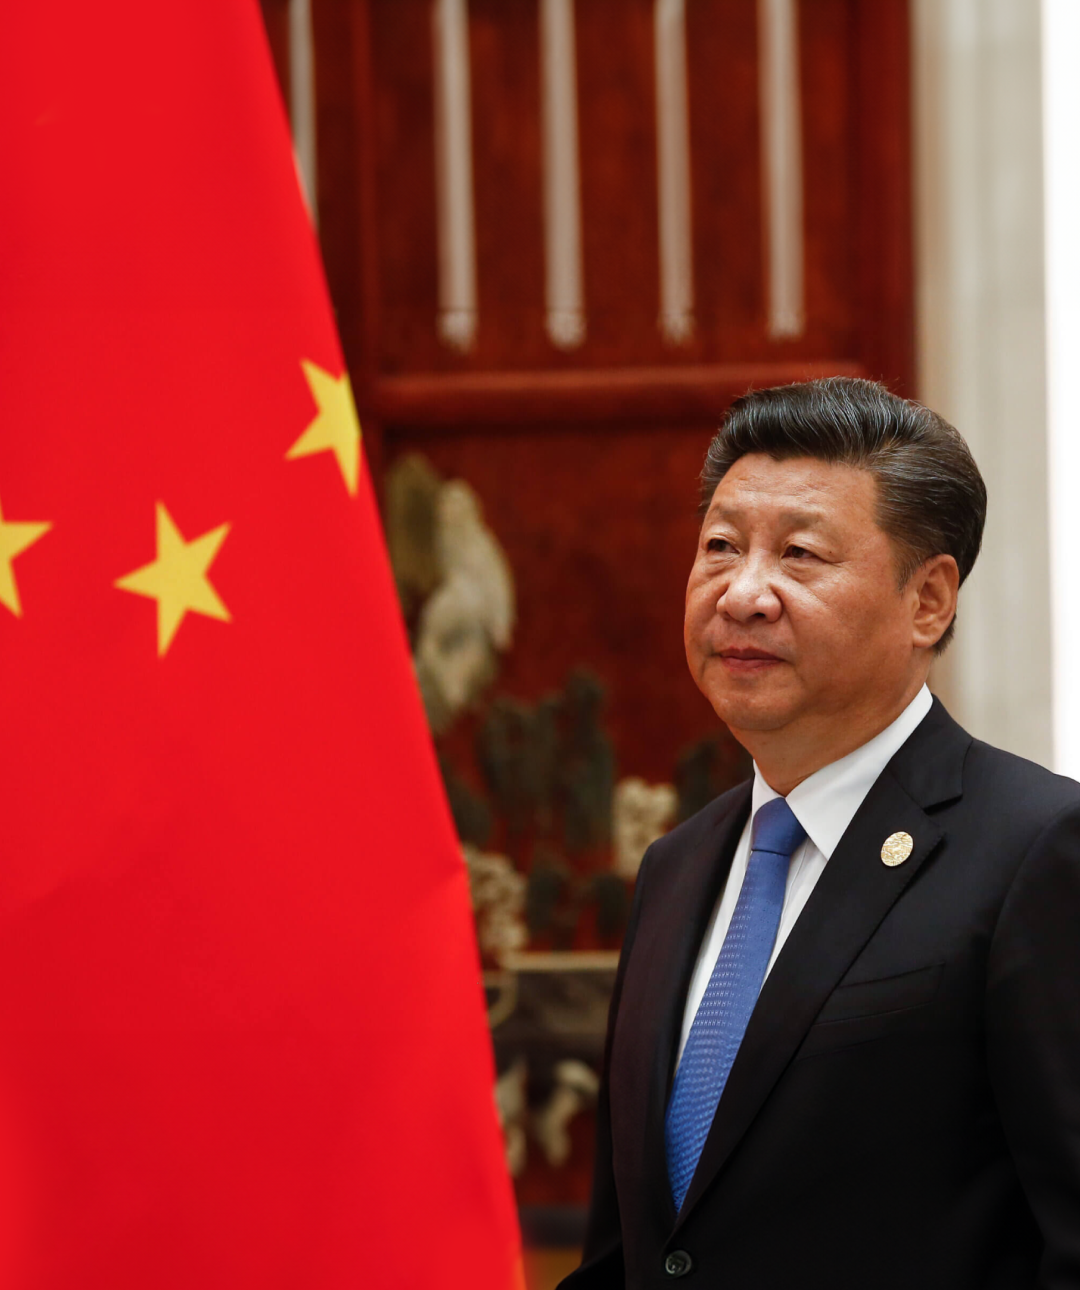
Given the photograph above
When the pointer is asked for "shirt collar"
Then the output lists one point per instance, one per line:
(826, 801)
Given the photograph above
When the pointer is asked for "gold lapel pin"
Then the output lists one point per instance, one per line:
(896, 848)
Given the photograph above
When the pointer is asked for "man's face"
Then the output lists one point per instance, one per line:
(793, 615)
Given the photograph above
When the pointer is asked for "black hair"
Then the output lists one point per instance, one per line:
(931, 499)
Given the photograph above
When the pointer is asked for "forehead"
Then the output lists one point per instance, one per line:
(800, 489)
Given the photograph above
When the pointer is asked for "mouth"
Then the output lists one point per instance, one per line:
(742, 662)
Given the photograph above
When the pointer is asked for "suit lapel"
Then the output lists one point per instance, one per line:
(852, 896)
(670, 952)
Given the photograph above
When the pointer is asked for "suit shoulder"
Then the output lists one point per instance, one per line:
(1016, 785)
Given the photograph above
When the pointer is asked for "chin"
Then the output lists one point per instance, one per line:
(751, 712)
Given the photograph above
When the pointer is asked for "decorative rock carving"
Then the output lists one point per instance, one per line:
(498, 898)
(469, 616)
(449, 567)
(641, 815)
(576, 1086)
(412, 492)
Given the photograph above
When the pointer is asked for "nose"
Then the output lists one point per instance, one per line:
(749, 592)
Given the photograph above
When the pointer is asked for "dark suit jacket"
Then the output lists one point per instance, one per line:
(904, 1110)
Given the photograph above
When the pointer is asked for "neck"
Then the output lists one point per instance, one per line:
(787, 756)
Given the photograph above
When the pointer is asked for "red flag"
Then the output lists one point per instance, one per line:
(242, 1039)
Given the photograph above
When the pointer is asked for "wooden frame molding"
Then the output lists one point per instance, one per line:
(656, 394)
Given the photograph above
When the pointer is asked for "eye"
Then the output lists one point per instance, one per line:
(719, 546)
(798, 553)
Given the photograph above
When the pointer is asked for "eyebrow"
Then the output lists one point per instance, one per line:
(795, 518)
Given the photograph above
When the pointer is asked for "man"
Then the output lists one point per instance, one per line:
(844, 1046)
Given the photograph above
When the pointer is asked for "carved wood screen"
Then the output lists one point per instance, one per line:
(560, 237)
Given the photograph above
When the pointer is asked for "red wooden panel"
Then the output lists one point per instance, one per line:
(404, 138)
(729, 250)
(829, 135)
(853, 68)
(507, 183)
(882, 156)
(617, 129)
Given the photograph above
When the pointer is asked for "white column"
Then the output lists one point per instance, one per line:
(1061, 135)
(302, 98)
(979, 296)
(781, 164)
(458, 308)
(565, 288)
(673, 172)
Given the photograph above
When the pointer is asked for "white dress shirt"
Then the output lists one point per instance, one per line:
(824, 804)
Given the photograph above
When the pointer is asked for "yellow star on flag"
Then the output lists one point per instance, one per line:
(177, 578)
(14, 539)
(336, 428)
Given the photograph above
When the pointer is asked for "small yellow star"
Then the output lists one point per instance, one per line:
(336, 428)
(177, 578)
(14, 539)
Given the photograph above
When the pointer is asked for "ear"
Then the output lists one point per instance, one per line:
(933, 589)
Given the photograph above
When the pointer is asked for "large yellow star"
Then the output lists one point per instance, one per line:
(14, 539)
(336, 428)
(177, 578)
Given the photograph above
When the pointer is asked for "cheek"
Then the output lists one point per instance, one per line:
(700, 601)
(699, 613)
(691, 630)
(859, 629)
(835, 625)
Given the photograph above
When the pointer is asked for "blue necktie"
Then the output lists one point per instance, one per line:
(729, 998)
